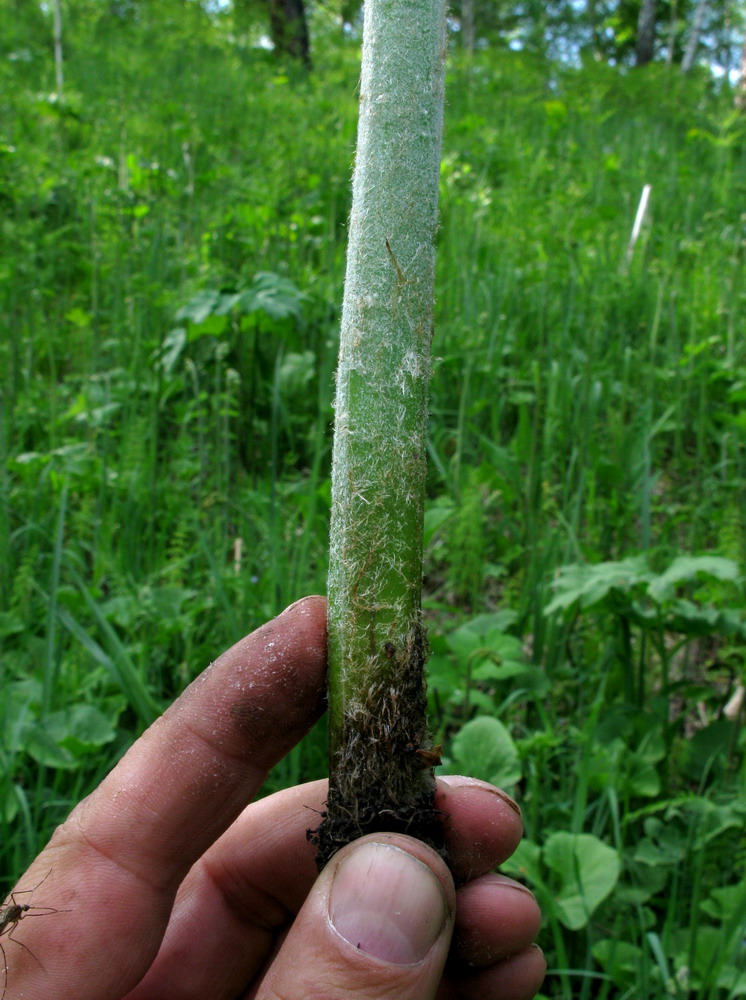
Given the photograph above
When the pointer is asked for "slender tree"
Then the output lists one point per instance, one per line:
(741, 88)
(694, 37)
(380, 754)
(289, 29)
(467, 25)
(645, 47)
(58, 70)
(592, 19)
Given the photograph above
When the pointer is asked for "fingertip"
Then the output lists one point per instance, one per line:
(516, 978)
(482, 827)
(496, 917)
(377, 923)
(455, 782)
(311, 608)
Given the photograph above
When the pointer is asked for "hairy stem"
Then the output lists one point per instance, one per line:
(380, 774)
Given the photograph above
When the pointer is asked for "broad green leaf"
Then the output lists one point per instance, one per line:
(619, 959)
(445, 676)
(688, 568)
(124, 610)
(525, 862)
(171, 349)
(40, 745)
(651, 747)
(690, 619)
(664, 844)
(715, 961)
(614, 764)
(80, 729)
(732, 979)
(295, 371)
(489, 623)
(278, 297)
(644, 780)
(485, 749)
(641, 883)
(503, 670)
(504, 659)
(704, 820)
(588, 870)
(464, 644)
(436, 514)
(586, 585)
(11, 623)
(226, 302)
(722, 903)
(164, 603)
(200, 306)
(213, 325)
(486, 634)
(9, 804)
(706, 753)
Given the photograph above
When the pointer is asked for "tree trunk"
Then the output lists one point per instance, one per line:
(593, 25)
(467, 25)
(58, 73)
(645, 47)
(693, 43)
(672, 32)
(289, 29)
(741, 88)
(380, 755)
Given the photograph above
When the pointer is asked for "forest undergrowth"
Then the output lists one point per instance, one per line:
(173, 231)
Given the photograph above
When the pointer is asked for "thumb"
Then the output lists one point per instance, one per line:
(377, 923)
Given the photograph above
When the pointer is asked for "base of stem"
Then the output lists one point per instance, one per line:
(381, 770)
(367, 811)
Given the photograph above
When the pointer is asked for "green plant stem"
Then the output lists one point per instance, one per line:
(377, 647)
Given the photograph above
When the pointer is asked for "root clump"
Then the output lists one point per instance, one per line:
(382, 779)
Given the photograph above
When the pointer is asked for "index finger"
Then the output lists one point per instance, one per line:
(116, 863)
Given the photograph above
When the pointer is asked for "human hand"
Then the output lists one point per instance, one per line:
(167, 888)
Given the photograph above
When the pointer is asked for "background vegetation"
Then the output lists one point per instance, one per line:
(173, 231)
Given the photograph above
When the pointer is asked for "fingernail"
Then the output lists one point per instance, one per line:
(508, 801)
(508, 883)
(387, 904)
(457, 781)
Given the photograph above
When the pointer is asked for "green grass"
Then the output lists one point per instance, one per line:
(170, 285)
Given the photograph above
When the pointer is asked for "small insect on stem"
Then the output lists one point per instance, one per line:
(431, 757)
(426, 756)
(11, 913)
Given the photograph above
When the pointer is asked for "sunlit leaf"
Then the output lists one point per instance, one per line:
(278, 297)
(587, 869)
(688, 568)
(485, 749)
(199, 307)
(587, 585)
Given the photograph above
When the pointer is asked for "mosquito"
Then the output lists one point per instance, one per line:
(11, 913)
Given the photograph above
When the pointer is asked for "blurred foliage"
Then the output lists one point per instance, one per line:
(173, 229)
